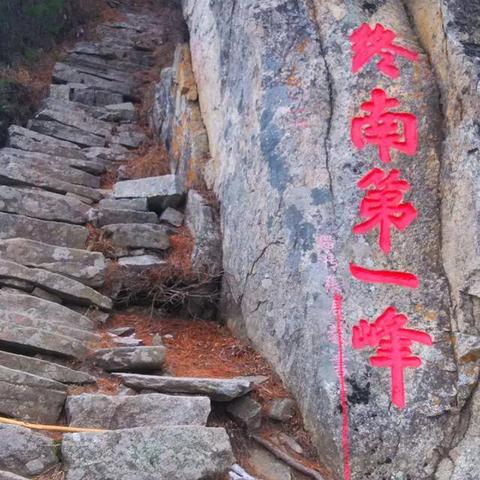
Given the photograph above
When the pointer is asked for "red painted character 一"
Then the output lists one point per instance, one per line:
(393, 343)
(384, 128)
(368, 42)
(383, 205)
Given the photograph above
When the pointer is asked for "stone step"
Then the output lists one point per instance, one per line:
(117, 412)
(30, 141)
(50, 165)
(60, 285)
(64, 73)
(70, 70)
(109, 216)
(42, 205)
(30, 340)
(85, 95)
(13, 172)
(9, 317)
(65, 132)
(97, 63)
(146, 453)
(218, 389)
(131, 136)
(25, 452)
(84, 266)
(162, 192)
(78, 117)
(131, 359)
(124, 204)
(58, 233)
(43, 309)
(141, 261)
(29, 397)
(42, 368)
(138, 235)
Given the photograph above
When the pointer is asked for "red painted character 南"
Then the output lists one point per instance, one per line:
(368, 42)
(384, 128)
(393, 343)
(383, 205)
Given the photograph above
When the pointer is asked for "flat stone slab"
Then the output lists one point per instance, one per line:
(42, 205)
(42, 368)
(14, 172)
(141, 261)
(75, 116)
(162, 192)
(24, 452)
(10, 476)
(114, 412)
(39, 308)
(30, 141)
(47, 231)
(29, 397)
(66, 132)
(107, 216)
(124, 204)
(133, 359)
(60, 285)
(32, 340)
(218, 389)
(8, 318)
(172, 216)
(82, 265)
(147, 453)
(56, 167)
(139, 235)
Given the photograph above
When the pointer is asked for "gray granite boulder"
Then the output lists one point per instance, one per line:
(46, 231)
(42, 368)
(25, 452)
(148, 410)
(147, 453)
(60, 285)
(144, 235)
(162, 192)
(172, 216)
(43, 309)
(42, 205)
(82, 265)
(31, 398)
(108, 216)
(218, 389)
(131, 359)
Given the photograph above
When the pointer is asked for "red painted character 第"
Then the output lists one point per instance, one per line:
(368, 42)
(393, 343)
(383, 205)
(384, 128)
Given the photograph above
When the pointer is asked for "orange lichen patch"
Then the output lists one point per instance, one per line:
(150, 161)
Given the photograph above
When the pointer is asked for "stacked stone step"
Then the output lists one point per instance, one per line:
(50, 175)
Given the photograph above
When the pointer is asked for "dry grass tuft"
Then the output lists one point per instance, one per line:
(151, 161)
(98, 241)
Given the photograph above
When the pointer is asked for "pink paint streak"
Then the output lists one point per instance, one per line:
(338, 311)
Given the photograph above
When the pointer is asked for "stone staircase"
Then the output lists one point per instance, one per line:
(51, 305)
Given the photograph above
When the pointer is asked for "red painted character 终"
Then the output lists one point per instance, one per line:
(383, 205)
(393, 343)
(368, 42)
(384, 128)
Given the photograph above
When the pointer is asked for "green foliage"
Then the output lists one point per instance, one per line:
(48, 14)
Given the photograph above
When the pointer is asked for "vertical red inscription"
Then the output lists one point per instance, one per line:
(393, 343)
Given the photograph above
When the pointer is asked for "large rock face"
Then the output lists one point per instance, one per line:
(277, 94)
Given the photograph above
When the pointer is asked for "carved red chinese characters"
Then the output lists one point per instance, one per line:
(368, 42)
(383, 205)
(393, 343)
(384, 128)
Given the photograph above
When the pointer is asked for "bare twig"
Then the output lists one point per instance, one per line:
(287, 458)
(50, 428)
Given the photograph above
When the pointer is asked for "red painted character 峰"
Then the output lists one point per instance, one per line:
(368, 42)
(384, 128)
(393, 343)
(383, 205)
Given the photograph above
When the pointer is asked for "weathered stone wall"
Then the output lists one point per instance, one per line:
(277, 96)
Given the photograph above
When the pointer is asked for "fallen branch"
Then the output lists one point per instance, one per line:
(50, 428)
(290, 461)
